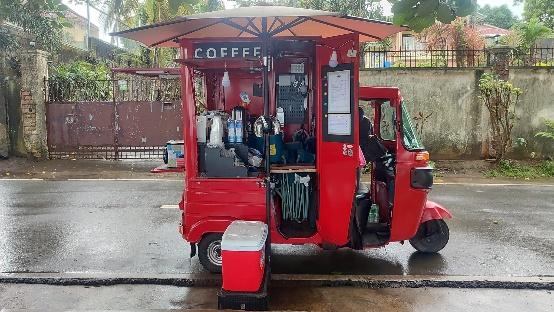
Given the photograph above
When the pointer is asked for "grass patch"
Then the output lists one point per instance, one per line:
(511, 169)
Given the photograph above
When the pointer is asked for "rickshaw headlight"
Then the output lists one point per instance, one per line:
(422, 177)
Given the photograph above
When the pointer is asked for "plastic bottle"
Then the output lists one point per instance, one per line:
(373, 214)
(231, 128)
(238, 131)
(216, 132)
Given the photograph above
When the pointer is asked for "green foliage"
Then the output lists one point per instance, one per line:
(500, 98)
(119, 13)
(80, 81)
(208, 6)
(530, 31)
(543, 10)
(123, 14)
(457, 35)
(420, 14)
(549, 132)
(512, 169)
(7, 41)
(500, 16)
(41, 19)
(362, 8)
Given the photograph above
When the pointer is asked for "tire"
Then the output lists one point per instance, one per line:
(209, 252)
(431, 236)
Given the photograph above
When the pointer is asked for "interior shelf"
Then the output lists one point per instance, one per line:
(292, 168)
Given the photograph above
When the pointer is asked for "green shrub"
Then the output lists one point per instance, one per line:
(500, 97)
(549, 132)
(511, 169)
(80, 81)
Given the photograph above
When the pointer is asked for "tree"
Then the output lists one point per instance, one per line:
(543, 10)
(457, 35)
(420, 14)
(500, 16)
(43, 20)
(121, 14)
(361, 8)
(119, 11)
(531, 31)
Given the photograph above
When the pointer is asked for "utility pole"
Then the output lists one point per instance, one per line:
(87, 43)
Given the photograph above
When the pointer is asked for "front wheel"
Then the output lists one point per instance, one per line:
(209, 252)
(431, 236)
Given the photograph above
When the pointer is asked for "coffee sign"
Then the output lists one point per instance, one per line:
(216, 50)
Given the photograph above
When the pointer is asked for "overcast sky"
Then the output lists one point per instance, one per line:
(95, 15)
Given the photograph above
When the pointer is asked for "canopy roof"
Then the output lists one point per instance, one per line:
(246, 22)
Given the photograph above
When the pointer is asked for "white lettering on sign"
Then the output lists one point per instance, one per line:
(211, 53)
(214, 50)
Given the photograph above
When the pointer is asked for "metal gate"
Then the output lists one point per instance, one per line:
(123, 118)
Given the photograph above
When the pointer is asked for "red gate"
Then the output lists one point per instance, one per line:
(131, 118)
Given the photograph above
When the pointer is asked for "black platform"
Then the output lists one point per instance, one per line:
(247, 301)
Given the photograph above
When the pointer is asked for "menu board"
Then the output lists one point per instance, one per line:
(339, 124)
(338, 103)
(339, 92)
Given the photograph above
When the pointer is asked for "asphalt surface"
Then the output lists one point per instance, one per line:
(141, 297)
(118, 227)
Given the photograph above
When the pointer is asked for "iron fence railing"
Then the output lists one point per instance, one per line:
(376, 57)
(125, 88)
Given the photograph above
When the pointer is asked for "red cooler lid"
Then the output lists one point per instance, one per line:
(244, 236)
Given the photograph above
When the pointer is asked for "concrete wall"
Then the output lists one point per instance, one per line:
(457, 122)
(34, 70)
(4, 134)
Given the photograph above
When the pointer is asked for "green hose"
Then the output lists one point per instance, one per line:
(295, 191)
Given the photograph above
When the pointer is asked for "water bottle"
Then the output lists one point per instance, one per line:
(231, 128)
(373, 214)
(238, 131)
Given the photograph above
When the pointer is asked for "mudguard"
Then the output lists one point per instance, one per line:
(434, 211)
(197, 230)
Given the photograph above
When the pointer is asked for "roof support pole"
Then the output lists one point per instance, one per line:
(265, 36)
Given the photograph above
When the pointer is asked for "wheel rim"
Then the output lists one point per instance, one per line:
(214, 252)
(432, 236)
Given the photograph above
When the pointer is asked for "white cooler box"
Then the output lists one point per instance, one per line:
(243, 253)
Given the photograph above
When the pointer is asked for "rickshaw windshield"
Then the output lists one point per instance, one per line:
(411, 141)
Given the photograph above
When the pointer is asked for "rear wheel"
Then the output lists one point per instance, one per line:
(209, 252)
(431, 236)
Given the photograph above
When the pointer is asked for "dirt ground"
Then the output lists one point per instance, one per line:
(448, 171)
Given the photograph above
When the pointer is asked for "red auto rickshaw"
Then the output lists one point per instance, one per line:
(272, 133)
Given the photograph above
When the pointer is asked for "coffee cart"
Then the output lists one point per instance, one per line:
(271, 99)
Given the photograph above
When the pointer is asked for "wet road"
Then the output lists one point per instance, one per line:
(119, 227)
(141, 297)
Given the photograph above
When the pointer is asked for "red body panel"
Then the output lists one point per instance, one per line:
(212, 204)
(337, 172)
(408, 201)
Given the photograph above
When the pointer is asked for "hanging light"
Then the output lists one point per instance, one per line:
(225, 82)
(333, 62)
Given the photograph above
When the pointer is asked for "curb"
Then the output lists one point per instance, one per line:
(287, 280)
